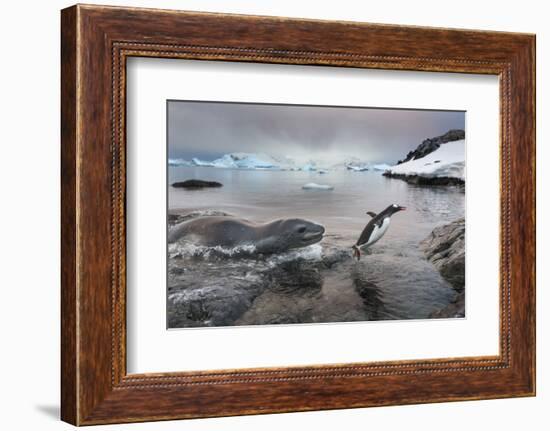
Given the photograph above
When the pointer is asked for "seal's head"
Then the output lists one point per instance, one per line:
(298, 233)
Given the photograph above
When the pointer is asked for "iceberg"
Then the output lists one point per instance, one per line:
(315, 186)
(252, 161)
(309, 167)
(178, 162)
(197, 162)
(361, 166)
(262, 161)
(224, 162)
(357, 167)
(247, 161)
(380, 167)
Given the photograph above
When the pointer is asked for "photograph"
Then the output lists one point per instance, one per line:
(302, 214)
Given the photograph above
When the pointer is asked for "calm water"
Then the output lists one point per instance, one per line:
(394, 281)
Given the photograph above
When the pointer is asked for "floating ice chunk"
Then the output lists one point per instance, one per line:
(315, 186)
(380, 167)
(357, 167)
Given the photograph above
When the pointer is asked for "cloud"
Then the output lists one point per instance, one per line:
(210, 129)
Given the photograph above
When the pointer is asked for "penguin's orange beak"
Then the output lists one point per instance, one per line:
(402, 208)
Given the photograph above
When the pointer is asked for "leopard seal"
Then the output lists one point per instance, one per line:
(229, 232)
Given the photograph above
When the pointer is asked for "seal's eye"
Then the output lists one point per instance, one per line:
(302, 229)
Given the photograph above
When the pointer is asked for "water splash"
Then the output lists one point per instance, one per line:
(312, 252)
(184, 249)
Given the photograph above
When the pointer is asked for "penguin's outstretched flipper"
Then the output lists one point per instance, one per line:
(371, 213)
(356, 252)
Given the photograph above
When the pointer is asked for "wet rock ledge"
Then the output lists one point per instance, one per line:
(428, 146)
(418, 180)
(196, 184)
(445, 248)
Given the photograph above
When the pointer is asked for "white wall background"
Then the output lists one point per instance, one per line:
(29, 216)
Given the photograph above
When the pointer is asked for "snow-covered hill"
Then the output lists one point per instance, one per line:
(448, 161)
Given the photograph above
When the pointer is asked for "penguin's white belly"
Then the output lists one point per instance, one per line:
(378, 232)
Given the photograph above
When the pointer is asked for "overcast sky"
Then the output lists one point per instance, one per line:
(208, 130)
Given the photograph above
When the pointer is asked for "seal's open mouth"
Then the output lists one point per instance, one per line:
(313, 237)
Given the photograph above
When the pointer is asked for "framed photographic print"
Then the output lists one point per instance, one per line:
(265, 215)
(267, 220)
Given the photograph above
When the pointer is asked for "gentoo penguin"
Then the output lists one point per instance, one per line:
(375, 229)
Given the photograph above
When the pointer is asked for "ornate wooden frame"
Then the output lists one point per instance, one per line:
(95, 42)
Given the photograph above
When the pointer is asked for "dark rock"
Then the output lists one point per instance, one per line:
(295, 275)
(212, 305)
(177, 270)
(282, 319)
(418, 180)
(431, 144)
(455, 309)
(335, 255)
(228, 296)
(445, 249)
(196, 184)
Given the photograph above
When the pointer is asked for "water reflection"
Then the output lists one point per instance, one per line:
(371, 295)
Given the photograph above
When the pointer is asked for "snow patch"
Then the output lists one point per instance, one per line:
(447, 161)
